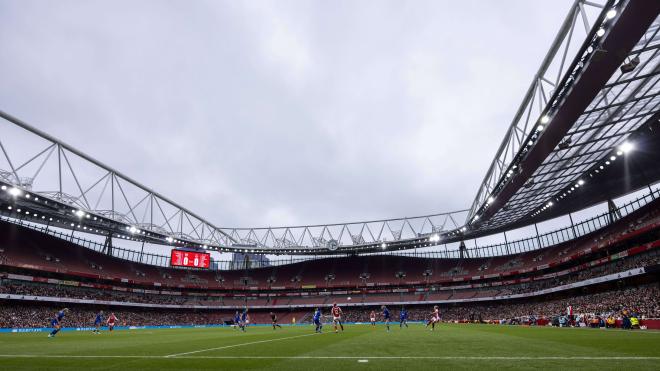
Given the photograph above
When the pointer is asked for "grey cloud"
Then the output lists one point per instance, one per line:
(278, 112)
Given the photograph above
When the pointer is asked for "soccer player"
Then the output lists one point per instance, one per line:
(435, 318)
(386, 317)
(336, 317)
(97, 322)
(372, 317)
(403, 318)
(317, 320)
(111, 321)
(245, 319)
(56, 322)
(237, 320)
(273, 318)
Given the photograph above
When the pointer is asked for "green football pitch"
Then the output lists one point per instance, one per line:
(360, 347)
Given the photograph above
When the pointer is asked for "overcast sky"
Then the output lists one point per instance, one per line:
(257, 113)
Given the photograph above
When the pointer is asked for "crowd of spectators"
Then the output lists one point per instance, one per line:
(27, 316)
(61, 291)
(642, 260)
(642, 301)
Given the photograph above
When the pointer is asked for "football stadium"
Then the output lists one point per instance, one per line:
(553, 262)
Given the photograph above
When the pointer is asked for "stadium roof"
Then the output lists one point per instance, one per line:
(608, 96)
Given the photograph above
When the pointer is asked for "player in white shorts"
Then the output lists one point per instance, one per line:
(336, 317)
(372, 317)
(435, 317)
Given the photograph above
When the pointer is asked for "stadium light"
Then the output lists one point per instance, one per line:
(626, 147)
(15, 192)
(169, 239)
(600, 32)
(545, 119)
(581, 182)
(79, 213)
(383, 245)
(4, 187)
(610, 14)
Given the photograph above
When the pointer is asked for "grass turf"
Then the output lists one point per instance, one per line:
(360, 347)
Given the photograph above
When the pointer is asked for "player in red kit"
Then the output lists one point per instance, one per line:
(372, 317)
(336, 317)
(435, 318)
(111, 321)
(569, 315)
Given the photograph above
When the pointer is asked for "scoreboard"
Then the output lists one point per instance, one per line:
(184, 258)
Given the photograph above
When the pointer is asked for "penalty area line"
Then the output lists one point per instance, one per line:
(237, 345)
(366, 358)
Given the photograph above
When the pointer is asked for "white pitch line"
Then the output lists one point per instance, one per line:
(476, 358)
(238, 345)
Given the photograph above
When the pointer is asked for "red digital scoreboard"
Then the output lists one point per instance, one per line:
(183, 258)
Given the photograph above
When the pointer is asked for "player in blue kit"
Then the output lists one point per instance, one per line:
(97, 322)
(317, 320)
(403, 317)
(56, 322)
(386, 317)
(245, 319)
(237, 320)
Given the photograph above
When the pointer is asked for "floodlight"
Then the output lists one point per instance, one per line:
(626, 147)
(610, 14)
